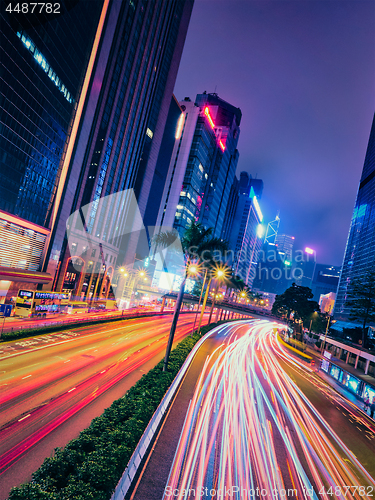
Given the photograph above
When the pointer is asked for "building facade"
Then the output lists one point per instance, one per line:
(246, 237)
(360, 247)
(114, 154)
(43, 62)
(231, 210)
(203, 165)
(326, 280)
(285, 244)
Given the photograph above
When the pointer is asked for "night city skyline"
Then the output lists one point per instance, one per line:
(303, 75)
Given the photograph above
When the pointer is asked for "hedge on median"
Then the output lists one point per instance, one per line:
(90, 466)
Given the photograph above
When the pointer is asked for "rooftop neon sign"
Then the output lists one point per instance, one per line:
(207, 113)
(180, 125)
(257, 208)
(209, 117)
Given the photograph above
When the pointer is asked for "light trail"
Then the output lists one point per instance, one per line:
(250, 426)
(33, 406)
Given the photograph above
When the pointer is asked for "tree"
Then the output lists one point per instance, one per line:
(196, 241)
(318, 322)
(235, 285)
(297, 300)
(361, 300)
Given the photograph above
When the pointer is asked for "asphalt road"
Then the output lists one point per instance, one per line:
(249, 415)
(15, 323)
(52, 386)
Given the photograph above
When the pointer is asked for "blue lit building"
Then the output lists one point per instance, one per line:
(360, 248)
(246, 235)
(42, 66)
(202, 166)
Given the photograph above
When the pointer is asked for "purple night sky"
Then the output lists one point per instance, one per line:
(303, 74)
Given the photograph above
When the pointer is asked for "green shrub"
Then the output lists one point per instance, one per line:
(90, 466)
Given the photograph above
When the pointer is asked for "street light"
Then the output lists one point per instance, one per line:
(194, 270)
(325, 336)
(219, 273)
(190, 268)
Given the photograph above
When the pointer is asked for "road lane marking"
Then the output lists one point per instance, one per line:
(70, 340)
(27, 376)
(23, 418)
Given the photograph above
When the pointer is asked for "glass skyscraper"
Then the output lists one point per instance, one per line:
(360, 248)
(203, 165)
(245, 237)
(117, 140)
(42, 66)
(43, 63)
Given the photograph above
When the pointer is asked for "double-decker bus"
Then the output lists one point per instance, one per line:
(31, 303)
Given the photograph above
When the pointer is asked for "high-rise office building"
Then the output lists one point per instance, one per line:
(274, 272)
(284, 244)
(246, 235)
(43, 61)
(203, 164)
(175, 116)
(360, 247)
(272, 230)
(325, 281)
(117, 142)
(230, 212)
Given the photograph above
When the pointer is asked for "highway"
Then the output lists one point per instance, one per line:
(18, 323)
(47, 381)
(260, 424)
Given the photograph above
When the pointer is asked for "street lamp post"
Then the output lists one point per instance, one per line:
(200, 298)
(219, 273)
(325, 336)
(193, 269)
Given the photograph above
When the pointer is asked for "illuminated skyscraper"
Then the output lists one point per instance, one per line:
(203, 164)
(245, 237)
(284, 244)
(118, 139)
(43, 62)
(272, 230)
(360, 248)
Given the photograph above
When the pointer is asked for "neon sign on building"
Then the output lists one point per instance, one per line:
(211, 122)
(257, 208)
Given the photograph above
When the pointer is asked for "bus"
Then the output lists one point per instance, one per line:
(31, 303)
(105, 305)
(77, 307)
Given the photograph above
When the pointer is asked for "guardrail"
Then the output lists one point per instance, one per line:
(142, 447)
